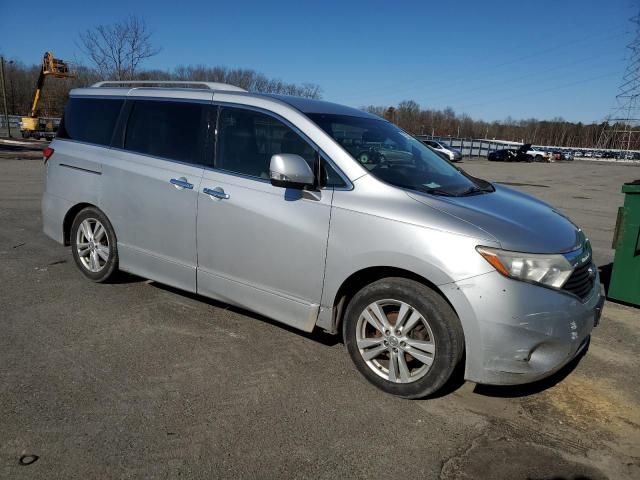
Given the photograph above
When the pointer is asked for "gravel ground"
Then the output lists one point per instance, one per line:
(134, 379)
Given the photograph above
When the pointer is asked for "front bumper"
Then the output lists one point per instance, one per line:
(517, 332)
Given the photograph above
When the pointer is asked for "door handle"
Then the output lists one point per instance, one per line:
(217, 192)
(181, 183)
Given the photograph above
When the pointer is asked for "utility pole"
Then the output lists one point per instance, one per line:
(4, 97)
(621, 128)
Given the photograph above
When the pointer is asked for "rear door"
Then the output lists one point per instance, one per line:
(151, 188)
(260, 246)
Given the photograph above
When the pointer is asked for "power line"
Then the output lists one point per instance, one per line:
(488, 88)
(546, 90)
(407, 87)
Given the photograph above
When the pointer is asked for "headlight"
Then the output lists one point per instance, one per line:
(550, 270)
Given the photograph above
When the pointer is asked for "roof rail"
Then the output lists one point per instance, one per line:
(167, 84)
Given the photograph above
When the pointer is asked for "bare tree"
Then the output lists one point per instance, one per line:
(245, 78)
(117, 50)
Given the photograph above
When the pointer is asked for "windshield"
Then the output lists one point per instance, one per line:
(395, 157)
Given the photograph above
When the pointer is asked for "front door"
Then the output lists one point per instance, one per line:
(261, 247)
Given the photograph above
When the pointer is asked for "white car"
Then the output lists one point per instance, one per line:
(538, 155)
(450, 153)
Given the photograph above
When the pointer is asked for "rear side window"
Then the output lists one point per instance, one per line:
(90, 120)
(171, 130)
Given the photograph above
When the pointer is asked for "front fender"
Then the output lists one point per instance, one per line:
(358, 241)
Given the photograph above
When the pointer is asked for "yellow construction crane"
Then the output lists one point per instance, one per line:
(31, 126)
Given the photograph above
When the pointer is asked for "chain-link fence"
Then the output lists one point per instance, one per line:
(14, 123)
(472, 147)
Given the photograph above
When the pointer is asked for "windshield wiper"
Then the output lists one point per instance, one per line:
(476, 189)
(479, 185)
(471, 191)
(435, 191)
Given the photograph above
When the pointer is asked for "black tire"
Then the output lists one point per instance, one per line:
(110, 267)
(445, 326)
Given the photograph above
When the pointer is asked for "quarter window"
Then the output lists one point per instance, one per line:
(171, 130)
(247, 140)
(90, 120)
(330, 177)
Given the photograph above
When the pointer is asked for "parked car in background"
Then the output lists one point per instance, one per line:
(588, 154)
(442, 155)
(453, 154)
(378, 153)
(420, 266)
(537, 154)
(523, 154)
(510, 155)
(504, 155)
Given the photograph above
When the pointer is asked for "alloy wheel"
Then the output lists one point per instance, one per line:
(92, 245)
(395, 341)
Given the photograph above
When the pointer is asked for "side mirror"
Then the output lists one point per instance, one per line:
(288, 170)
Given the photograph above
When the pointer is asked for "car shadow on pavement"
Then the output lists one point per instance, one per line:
(579, 477)
(124, 278)
(455, 382)
(316, 335)
(512, 391)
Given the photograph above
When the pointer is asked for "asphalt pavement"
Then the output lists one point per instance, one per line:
(137, 380)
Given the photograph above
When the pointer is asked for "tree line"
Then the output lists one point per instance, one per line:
(20, 81)
(444, 123)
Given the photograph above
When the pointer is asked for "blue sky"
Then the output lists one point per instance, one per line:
(489, 59)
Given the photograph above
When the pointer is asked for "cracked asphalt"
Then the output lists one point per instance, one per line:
(137, 380)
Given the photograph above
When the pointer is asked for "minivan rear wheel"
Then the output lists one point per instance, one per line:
(403, 337)
(93, 243)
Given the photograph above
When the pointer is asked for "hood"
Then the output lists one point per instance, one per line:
(525, 147)
(518, 221)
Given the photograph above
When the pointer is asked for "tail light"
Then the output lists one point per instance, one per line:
(46, 153)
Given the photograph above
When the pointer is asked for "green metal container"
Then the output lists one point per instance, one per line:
(625, 277)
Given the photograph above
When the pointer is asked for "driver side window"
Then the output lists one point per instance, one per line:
(247, 139)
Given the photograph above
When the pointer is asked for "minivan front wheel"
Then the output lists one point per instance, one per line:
(93, 243)
(403, 337)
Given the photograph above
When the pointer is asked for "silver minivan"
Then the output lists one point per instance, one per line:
(323, 217)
